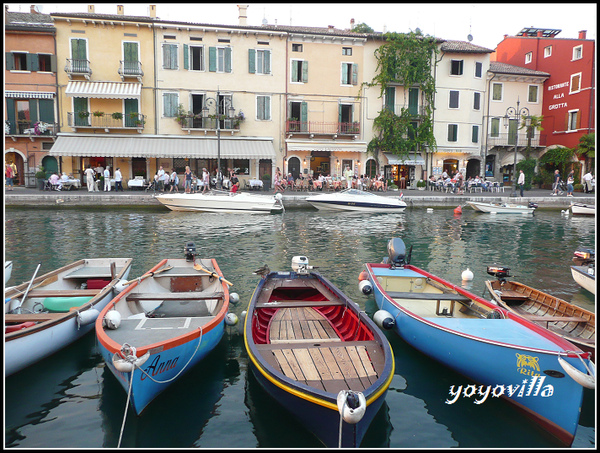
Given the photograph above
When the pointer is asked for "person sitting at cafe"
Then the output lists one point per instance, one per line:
(55, 181)
(235, 183)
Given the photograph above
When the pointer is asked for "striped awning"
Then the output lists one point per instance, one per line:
(29, 94)
(411, 159)
(164, 147)
(509, 159)
(104, 90)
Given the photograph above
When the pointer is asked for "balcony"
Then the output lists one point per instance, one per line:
(412, 110)
(78, 68)
(508, 140)
(131, 69)
(322, 128)
(199, 122)
(30, 128)
(106, 121)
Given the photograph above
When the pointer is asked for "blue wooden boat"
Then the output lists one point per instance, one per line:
(534, 369)
(162, 324)
(317, 354)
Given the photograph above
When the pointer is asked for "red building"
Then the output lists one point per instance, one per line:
(570, 92)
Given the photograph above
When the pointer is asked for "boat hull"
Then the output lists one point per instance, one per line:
(25, 347)
(583, 278)
(223, 202)
(583, 209)
(485, 351)
(356, 200)
(503, 208)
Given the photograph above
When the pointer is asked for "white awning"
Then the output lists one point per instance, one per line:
(305, 145)
(509, 159)
(412, 159)
(104, 90)
(164, 147)
(29, 94)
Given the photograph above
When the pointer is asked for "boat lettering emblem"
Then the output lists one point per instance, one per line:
(157, 367)
(526, 361)
(481, 393)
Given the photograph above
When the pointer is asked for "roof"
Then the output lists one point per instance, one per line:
(505, 68)
(463, 47)
(15, 21)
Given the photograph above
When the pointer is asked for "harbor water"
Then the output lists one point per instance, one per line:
(71, 400)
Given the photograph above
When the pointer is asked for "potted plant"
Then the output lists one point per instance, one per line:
(421, 185)
(117, 116)
(266, 181)
(40, 176)
(393, 186)
(98, 113)
(83, 114)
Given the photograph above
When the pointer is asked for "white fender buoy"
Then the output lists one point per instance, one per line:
(384, 319)
(352, 406)
(127, 366)
(234, 298)
(112, 319)
(467, 275)
(231, 319)
(119, 286)
(278, 196)
(87, 317)
(581, 378)
(365, 286)
(429, 210)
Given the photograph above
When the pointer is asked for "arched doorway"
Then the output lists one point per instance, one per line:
(50, 164)
(371, 168)
(15, 156)
(473, 168)
(293, 167)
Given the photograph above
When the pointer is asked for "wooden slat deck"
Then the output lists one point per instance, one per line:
(63, 292)
(35, 317)
(305, 347)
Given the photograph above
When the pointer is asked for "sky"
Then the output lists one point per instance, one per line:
(487, 23)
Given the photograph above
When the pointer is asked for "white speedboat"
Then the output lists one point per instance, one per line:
(583, 209)
(356, 200)
(585, 276)
(220, 201)
(502, 208)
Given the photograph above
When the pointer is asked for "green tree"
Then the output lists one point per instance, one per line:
(531, 124)
(587, 149)
(362, 28)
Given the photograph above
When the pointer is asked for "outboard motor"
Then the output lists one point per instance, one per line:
(501, 273)
(397, 253)
(190, 251)
(533, 205)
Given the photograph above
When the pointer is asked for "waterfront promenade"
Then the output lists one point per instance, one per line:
(22, 196)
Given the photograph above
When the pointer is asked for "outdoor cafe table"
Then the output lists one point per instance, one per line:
(70, 183)
(255, 183)
(141, 183)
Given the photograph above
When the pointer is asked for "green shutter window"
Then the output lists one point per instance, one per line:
(131, 107)
(295, 71)
(512, 131)
(10, 61)
(80, 105)
(390, 98)
(33, 62)
(227, 59)
(53, 65)
(212, 59)
(78, 51)
(267, 61)
(495, 127)
(413, 101)
(304, 116)
(475, 134)
(452, 132)
(11, 114)
(354, 74)
(33, 111)
(186, 57)
(251, 61)
(47, 110)
(305, 71)
(345, 74)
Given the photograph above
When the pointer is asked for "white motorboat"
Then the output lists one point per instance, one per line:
(585, 276)
(502, 208)
(221, 201)
(7, 271)
(356, 200)
(583, 209)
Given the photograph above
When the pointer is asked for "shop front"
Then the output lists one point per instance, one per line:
(404, 171)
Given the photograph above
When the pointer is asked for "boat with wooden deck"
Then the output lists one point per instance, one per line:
(317, 354)
(570, 321)
(51, 311)
(484, 342)
(502, 208)
(162, 324)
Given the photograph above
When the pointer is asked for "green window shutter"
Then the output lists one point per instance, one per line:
(475, 134)
(78, 51)
(339, 113)
(267, 61)
(10, 61)
(294, 71)
(390, 98)
(452, 132)
(80, 105)
(227, 59)
(130, 52)
(344, 74)
(212, 59)
(260, 107)
(131, 106)
(186, 57)
(305, 71)
(11, 114)
(495, 127)
(33, 111)
(47, 110)
(304, 116)
(354, 74)
(33, 62)
(251, 61)
(413, 101)
(53, 64)
(267, 108)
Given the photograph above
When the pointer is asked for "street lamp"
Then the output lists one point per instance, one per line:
(220, 105)
(515, 113)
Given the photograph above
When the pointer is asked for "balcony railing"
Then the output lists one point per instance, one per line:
(419, 110)
(508, 139)
(130, 69)
(35, 128)
(200, 122)
(323, 128)
(106, 120)
(78, 67)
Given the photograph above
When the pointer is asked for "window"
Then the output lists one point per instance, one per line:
(577, 52)
(346, 50)
(547, 51)
(263, 108)
(349, 74)
(496, 91)
(495, 127)
(170, 104)
(456, 67)
(478, 70)
(453, 104)
(475, 134)
(296, 47)
(528, 57)
(259, 61)
(575, 83)
(532, 94)
(196, 58)
(219, 59)
(241, 166)
(452, 132)
(170, 56)
(476, 101)
(572, 117)
(299, 71)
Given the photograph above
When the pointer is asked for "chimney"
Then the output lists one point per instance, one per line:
(120, 10)
(330, 28)
(243, 14)
(91, 9)
(352, 24)
(152, 11)
(582, 34)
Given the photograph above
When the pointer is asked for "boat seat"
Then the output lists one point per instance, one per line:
(180, 309)
(555, 318)
(428, 296)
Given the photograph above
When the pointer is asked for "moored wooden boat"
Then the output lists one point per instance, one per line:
(162, 324)
(482, 341)
(49, 312)
(502, 208)
(315, 352)
(571, 322)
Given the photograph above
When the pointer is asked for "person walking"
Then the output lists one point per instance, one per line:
(521, 181)
(570, 182)
(205, 180)
(8, 172)
(556, 188)
(118, 180)
(89, 178)
(188, 179)
(107, 179)
(174, 181)
(587, 182)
